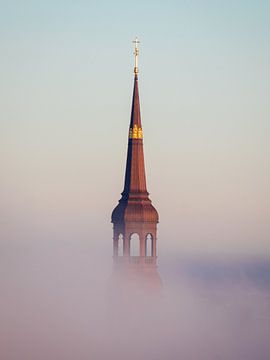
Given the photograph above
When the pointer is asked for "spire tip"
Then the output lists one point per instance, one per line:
(136, 53)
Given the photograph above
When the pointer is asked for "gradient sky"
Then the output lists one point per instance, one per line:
(65, 96)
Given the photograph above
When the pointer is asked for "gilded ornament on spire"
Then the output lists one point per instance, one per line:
(135, 132)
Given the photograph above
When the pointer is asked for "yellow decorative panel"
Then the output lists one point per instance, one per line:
(135, 132)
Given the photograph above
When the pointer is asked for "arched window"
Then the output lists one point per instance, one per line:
(120, 245)
(149, 245)
(134, 245)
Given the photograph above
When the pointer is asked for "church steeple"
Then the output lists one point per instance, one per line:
(135, 182)
(135, 213)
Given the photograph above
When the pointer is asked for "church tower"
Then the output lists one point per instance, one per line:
(135, 218)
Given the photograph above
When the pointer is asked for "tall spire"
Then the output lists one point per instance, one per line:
(135, 212)
(135, 181)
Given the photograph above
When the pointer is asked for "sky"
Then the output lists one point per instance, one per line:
(66, 72)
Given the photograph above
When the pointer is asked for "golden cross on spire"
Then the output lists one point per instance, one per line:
(136, 53)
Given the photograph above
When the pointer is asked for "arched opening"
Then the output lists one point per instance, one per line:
(134, 245)
(120, 245)
(149, 245)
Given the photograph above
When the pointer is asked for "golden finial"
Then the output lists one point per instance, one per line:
(136, 53)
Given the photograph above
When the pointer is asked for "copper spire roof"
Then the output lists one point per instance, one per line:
(135, 109)
(135, 182)
(135, 204)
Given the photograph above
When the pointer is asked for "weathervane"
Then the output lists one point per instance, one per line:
(136, 53)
